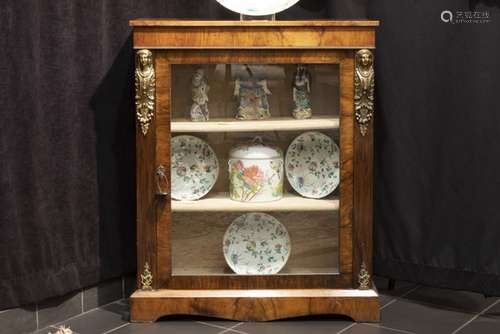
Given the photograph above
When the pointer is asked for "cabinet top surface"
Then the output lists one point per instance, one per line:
(259, 23)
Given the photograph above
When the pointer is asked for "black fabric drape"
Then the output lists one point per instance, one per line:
(67, 172)
(67, 161)
(437, 157)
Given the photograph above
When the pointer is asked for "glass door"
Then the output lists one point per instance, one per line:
(256, 171)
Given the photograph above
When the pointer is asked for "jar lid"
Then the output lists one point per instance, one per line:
(255, 150)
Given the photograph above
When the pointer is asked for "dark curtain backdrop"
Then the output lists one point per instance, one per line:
(67, 159)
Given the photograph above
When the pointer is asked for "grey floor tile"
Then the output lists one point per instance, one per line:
(58, 309)
(329, 326)
(370, 329)
(120, 307)
(419, 318)
(97, 321)
(130, 285)
(218, 323)
(102, 294)
(463, 301)
(162, 327)
(494, 311)
(386, 295)
(380, 282)
(482, 325)
(18, 320)
(45, 330)
(385, 299)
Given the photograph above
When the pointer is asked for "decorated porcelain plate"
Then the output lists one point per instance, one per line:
(256, 244)
(312, 165)
(194, 168)
(257, 7)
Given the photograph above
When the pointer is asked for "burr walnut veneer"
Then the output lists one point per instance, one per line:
(181, 269)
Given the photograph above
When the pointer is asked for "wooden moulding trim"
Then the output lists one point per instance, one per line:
(238, 282)
(271, 38)
(162, 146)
(231, 23)
(253, 56)
(346, 165)
(274, 293)
(255, 305)
(137, 47)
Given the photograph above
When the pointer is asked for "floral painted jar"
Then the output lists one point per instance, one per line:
(255, 172)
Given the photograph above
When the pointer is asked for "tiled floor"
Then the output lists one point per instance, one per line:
(406, 309)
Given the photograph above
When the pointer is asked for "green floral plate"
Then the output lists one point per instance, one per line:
(312, 165)
(194, 168)
(256, 244)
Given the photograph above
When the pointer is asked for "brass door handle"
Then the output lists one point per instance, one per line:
(161, 182)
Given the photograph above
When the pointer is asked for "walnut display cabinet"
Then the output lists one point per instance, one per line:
(180, 258)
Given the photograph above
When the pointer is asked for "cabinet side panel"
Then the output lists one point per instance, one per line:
(346, 165)
(163, 89)
(363, 200)
(146, 213)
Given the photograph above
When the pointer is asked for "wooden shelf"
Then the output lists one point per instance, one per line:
(225, 271)
(221, 202)
(272, 124)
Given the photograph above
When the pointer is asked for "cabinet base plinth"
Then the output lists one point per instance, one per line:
(255, 305)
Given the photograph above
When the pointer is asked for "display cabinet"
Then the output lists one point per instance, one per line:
(254, 169)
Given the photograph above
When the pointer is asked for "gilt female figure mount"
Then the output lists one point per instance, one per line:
(145, 81)
(364, 84)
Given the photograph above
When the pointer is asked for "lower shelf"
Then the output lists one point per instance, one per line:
(226, 271)
(289, 202)
(255, 305)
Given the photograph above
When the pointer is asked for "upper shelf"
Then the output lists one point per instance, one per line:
(222, 202)
(272, 124)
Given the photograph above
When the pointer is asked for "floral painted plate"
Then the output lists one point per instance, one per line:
(312, 165)
(256, 244)
(194, 168)
(257, 7)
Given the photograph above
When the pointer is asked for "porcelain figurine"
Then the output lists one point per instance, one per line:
(253, 103)
(199, 90)
(301, 93)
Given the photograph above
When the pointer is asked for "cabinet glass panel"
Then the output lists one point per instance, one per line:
(265, 106)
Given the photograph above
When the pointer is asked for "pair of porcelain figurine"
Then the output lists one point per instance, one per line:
(252, 94)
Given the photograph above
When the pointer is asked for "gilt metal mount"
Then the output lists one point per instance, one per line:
(364, 277)
(145, 85)
(364, 86)
(146, 278)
